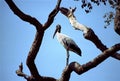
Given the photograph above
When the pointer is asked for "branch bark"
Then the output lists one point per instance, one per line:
(19, 72)
(23, 16)
(74, 66)
(87, 32)
(79, 69)
(117, 19)
(90, 35)
(35, 76)
(52, 15)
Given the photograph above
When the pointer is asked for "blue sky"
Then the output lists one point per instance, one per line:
(17, 37)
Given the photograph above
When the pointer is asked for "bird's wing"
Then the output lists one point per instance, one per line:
(69, 44)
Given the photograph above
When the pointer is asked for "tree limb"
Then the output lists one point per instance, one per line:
(90, 35)
(117, 19)
(79, 69)
(33, 52)
(19, 72)
(74, 66)
(52, 15)
(23, 16)
(87, 32)
(35, 76)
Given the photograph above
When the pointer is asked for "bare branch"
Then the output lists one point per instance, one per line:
(19, 72)
(70, 15)
(117, 20)
(66, 74)
(52, 15)
(79, 69)
(74, 66)
(37, 41)
(23, 16)
(88, 33)
(33, 52)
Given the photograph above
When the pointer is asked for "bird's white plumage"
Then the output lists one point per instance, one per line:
(65, 41)
(61, 37)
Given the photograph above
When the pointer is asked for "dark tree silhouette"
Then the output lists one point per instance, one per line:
(73, 66)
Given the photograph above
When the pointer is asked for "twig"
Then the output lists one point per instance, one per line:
(19, 72)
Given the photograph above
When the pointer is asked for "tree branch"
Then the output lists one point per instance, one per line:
(19, 72)
(52, 15)
(33, 20)
(117, 19)
(35, 76)
(23, 16)
(74, 66)
(33, 52)
(88, 33)
(38, 39)
(79, 69)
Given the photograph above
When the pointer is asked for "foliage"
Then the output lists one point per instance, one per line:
(109, 17)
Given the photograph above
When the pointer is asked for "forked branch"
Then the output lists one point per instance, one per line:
(79, 69)
(88, 32)
(37, 41)
(74, 66)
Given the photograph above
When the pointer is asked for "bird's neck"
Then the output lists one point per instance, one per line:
(57, 33)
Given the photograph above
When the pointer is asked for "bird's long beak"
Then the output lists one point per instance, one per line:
(55, 33)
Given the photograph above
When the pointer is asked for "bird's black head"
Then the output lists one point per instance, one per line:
(58, 29)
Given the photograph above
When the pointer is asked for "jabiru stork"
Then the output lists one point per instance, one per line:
(67, 43)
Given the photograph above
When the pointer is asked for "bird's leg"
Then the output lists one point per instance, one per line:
(67, 59)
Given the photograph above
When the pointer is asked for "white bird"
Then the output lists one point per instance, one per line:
(67, 43)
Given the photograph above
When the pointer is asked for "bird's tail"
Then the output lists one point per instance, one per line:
(79, 51)
(76, 49)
